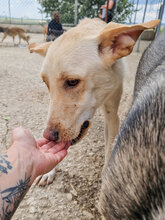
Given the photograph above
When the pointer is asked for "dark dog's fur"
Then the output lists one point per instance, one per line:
(1, 30)
(133, 186)
(13, 31)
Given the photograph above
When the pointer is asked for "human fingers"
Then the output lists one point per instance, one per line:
(42, 141)
(59, 156)
(56, 148)
(48, 161)
(48, 146)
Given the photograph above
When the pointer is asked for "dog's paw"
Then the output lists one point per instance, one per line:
(46, 179)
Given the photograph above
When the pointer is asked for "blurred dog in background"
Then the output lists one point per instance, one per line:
(133, 184)
(14, 31)
(45, 30)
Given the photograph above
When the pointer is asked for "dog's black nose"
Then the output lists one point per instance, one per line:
(54, 135)
(85, 124)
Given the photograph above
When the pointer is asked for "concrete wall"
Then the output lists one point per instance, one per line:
(148, 35)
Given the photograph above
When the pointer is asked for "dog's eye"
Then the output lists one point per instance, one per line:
(71, 83)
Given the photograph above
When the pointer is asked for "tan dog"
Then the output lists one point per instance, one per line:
(45, 30)
(82, 71)
(13, 32)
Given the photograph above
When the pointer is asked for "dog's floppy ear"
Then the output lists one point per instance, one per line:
(39, 48)
(118, 40)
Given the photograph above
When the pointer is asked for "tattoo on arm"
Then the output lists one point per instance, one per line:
(5, 165)
(12, 196)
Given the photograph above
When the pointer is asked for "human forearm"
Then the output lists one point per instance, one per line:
(110, 5)
(26, 159)
(15, 179)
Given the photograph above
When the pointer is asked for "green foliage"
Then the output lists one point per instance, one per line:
(86, 8)
(124, 12)
(66, 9)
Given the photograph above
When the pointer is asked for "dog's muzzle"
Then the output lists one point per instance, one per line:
(84, 126)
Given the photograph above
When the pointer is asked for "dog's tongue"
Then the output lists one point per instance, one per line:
(67, 145)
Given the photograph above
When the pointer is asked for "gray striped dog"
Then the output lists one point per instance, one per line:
(133, 185)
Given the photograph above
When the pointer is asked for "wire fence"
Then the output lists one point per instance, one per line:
(32, 12)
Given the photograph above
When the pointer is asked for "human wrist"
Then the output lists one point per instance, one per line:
(22, 162)
(15, 180)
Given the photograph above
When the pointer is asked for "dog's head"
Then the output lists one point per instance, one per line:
(76, 70)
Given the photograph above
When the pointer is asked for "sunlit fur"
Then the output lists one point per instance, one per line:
(13, 32)
(89, 52)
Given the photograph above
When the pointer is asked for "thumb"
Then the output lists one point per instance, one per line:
(17, 134)
(20, 134)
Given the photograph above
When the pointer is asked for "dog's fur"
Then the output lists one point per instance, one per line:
(133, 184)
(45, 30)
(88, 53)
(14, 31)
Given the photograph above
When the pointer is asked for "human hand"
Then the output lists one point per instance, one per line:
(40, 156)
(22, 163)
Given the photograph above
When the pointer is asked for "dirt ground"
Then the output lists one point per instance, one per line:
(24, 101)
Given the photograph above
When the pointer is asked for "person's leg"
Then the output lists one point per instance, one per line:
(54, 38)
(48, 38)
(110, 16)
(104, 14)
